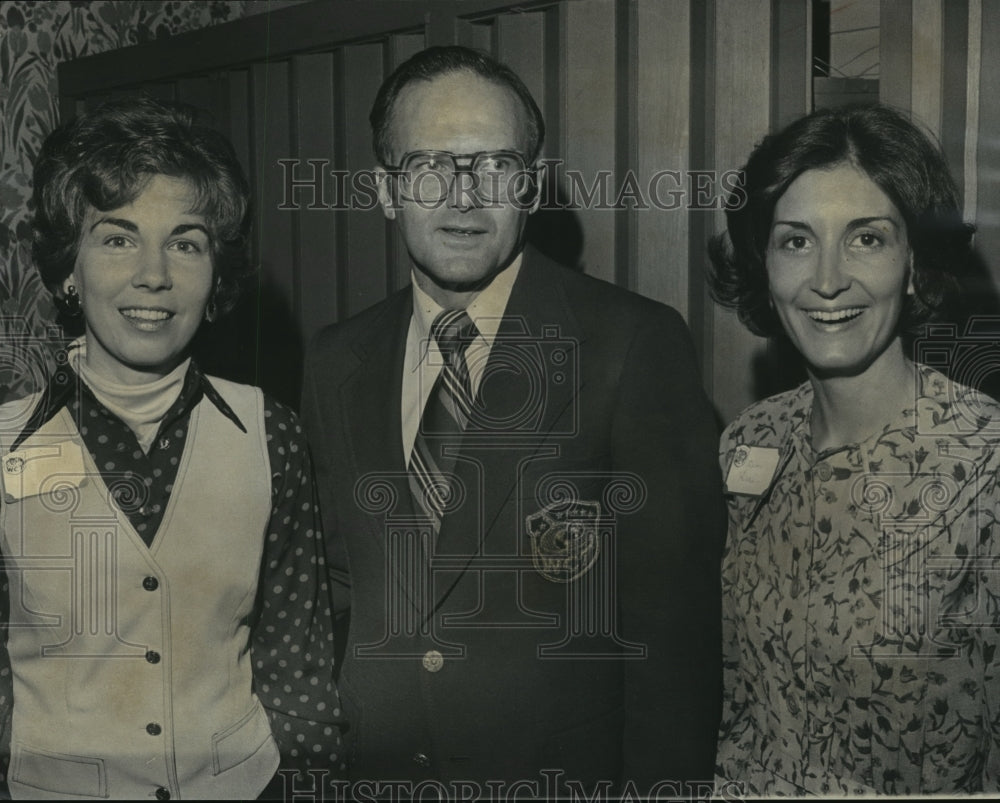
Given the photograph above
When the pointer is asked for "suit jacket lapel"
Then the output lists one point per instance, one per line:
(371, 397)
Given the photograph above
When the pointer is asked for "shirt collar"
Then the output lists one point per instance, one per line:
(486, 309)
(66, 385)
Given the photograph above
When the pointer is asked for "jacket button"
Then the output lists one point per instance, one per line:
(153, 729)
(162, 794)
(153, 657)
(824, 472)
(421, 759)
(432, 661)
(150, 583)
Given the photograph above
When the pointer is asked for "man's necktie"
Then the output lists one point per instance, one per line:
(445, 416)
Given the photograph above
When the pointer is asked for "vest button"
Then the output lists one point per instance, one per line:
(150, 583)
(421, 759)
(153, 729)
(153, 657)
(432, 661)
(162, 794)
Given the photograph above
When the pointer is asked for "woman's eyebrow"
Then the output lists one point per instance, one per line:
(185, 227)
(866, 221)
(120, 222)
(128, 225)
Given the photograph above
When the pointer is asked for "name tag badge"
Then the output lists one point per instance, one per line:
(41, 469)
(752, 470)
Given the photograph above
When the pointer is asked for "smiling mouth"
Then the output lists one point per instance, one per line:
(145, 318)
(834, 316)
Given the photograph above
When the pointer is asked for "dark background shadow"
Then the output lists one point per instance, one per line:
(257, 343)
(554, 229)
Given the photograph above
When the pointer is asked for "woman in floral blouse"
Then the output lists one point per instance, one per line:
(861, 580)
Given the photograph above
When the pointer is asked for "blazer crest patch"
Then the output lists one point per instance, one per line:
(565, 541)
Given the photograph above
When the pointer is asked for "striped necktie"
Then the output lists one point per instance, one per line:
(448, 409)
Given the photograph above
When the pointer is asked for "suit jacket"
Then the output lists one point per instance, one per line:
(563, 627)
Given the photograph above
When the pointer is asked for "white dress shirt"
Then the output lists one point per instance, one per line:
(422, 361)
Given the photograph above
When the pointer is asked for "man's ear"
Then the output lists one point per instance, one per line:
(386, 192)
(539, 185)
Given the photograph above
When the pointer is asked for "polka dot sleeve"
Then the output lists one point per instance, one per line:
(292, 642)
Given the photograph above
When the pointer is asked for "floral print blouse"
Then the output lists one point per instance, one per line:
(861, 602)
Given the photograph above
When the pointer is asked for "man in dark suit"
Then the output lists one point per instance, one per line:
(518, 480)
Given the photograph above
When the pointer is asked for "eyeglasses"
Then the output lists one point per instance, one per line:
(427, 176)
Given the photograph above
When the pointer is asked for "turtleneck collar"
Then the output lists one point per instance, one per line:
(140, 407)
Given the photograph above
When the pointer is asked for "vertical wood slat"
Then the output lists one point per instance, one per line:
(588, 126)
(973, 79)
(988, 147)
(701, 139)
(239, 117)
(663, 32)
(742, 80)
(791, 62)
(230, 348)
(895, 53)
(362, 234)
(926, 67)
(279, 343)
(625, 146)
(314, 217)
(954, 78)
(521, 46)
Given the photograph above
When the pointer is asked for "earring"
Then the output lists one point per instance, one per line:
(211, 311)
(71, 301)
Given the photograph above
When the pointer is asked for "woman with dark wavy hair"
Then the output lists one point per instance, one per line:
(168, 625)
(861, 580)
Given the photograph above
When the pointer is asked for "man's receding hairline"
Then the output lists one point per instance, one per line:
(525, 112)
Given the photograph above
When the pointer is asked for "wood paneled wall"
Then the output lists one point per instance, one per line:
(630, 89)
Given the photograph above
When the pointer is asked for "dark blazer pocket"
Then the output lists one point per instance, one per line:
(241, 741)
(589, 751)
(58, 772)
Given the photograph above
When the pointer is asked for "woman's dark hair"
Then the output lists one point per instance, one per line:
(895, 155)
(436, 61)
(105, 158)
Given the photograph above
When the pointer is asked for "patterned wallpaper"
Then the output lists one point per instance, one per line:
(35, 36)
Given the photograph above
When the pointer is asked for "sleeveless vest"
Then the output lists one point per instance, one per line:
(131, 664)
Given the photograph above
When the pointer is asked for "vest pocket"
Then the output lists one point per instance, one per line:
(59, 772)
(239, 742)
